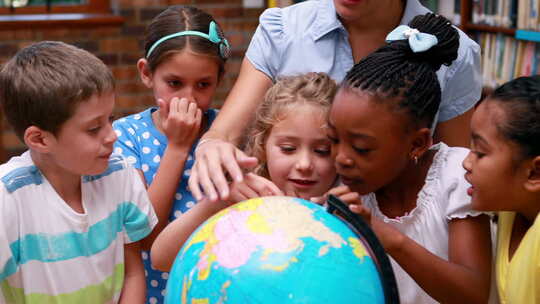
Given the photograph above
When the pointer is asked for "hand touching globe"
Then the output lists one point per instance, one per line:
(275, 250)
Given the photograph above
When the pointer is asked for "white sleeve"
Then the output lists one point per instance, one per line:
(458, 204)
(463, 81)
(267, 44)
(139, 217)
(8, 262)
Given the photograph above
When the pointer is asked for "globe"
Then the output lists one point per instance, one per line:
(274, 250)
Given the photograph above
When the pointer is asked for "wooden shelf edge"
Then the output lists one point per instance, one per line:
(488, 28)
(32, 21)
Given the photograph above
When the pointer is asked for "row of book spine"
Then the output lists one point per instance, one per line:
(448, 8)
(528, 15)
(522, 14)
(495, 12)
(505, 58)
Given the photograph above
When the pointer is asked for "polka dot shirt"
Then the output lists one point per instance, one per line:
(143, 145)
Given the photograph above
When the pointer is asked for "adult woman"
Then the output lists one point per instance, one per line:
(327, 36)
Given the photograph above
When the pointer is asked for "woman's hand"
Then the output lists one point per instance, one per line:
(212, 156)
(180, 121)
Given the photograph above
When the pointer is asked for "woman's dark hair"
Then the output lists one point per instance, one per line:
(520, 101)
(176, 19)
(394, 70)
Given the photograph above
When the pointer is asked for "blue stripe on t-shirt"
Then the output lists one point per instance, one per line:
(31, 175)
(21, 177)
(116, 163)
(46, 248)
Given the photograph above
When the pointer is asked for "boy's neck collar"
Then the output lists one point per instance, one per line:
(67, 185)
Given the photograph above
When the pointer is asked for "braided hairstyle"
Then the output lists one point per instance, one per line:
(394, 70)
(520, 101)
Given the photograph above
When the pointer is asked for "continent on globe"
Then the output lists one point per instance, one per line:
(274, 250)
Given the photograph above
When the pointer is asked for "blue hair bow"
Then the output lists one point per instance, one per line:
(419, 42)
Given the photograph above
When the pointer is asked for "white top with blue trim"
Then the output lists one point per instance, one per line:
(51, 254)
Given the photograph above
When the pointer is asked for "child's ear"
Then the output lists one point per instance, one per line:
(533, 180)
(38, 139)
(421, 142)
(144, 72)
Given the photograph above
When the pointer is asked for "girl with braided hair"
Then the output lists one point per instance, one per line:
(503, 167)
(412, 193)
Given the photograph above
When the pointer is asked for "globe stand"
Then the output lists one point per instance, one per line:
(365, 233)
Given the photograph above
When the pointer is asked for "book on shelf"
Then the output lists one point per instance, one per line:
(536, 64)
(528, 56)
(528, 17)
(505, 58)
(448, 8)
(494, 12)
(522, 14)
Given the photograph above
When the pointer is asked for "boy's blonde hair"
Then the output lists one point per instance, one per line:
(316, 89)
(44, 82)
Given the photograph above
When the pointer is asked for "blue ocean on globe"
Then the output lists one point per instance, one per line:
(274, 250)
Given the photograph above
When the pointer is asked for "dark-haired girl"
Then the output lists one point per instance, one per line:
(185, 54)
(503, 168)
(413, 193)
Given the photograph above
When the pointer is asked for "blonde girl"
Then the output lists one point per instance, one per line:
(289, 139)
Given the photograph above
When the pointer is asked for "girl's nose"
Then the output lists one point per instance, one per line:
(467, 162)
(342, 159)
(304, 162)
(189, 94)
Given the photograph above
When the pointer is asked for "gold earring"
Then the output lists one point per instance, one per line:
(415, 158)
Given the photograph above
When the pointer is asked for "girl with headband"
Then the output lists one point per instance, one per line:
(185, 55)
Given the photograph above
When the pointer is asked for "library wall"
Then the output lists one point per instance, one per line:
(508, 32)
(121, 46)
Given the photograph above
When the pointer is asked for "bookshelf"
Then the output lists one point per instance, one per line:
(468, 27)
(510, 40)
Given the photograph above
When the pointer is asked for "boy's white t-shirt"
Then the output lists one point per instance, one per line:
(51, 254)
(442, 198)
